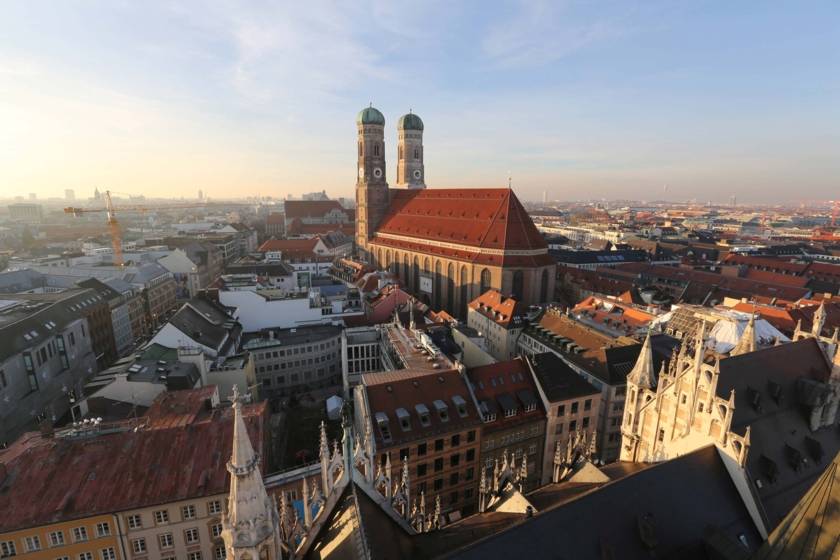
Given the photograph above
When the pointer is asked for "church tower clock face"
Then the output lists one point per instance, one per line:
(377, 172)
(417, 173)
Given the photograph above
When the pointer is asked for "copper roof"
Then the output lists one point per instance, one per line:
(47, 480)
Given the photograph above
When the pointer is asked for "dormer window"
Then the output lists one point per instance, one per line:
(404, 418)
(460, 405)
(442, 410)
(510, 412)
(423, 414)
(384, 428)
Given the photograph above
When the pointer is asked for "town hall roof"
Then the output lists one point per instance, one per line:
(491, 219)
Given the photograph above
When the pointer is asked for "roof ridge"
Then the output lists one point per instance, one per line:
(505, 198)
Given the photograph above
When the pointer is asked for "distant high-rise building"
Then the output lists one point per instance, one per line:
(33, 196)
(200, 194)
(69, 194)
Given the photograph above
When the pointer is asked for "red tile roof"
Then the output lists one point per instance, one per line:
(492, 382)
(481, 218)
(389, 391)
(49, 480)
(310, 208)
(296, 227)
(288, 245)
(499, 309)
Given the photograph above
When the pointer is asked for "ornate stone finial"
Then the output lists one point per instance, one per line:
(819, 320)
(643, 375)
(747, 342)
(436, 520)
(593, 444)
(307, 511)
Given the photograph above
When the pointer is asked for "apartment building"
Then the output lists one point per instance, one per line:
(427, 418)
(500, 320)
(153, 488)
(513, 417)
(572, 405)
(289, 361)
(46, 354)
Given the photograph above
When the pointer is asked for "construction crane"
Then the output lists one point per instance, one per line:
(113, 224)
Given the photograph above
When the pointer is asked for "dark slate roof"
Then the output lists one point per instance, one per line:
(779, 429)
(557, 379)
(599, 257)
(205, 322)
(811, 530)
(28, 320)
(605, 523)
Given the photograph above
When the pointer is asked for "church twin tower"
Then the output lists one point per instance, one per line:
(372, 196)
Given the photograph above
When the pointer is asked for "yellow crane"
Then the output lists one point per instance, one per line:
(113, 224)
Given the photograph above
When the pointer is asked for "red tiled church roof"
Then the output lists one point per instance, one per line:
(480, 218)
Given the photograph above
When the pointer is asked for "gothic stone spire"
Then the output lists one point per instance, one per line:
(746, 343)
(251, 522)
(643, 374)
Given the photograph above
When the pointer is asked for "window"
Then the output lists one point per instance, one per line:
(454, 460)
(191, 535)
(575, 407)
(166, 541)
(469, 474)
(107, 554)
(57, 538)
(585, 423)
(438, 483)
(32, 543)
(79, 534)
(86, 556)
(188, 512)
(453, 498)
(561, 410)
(161, 517)
(3, 382)
(572, 426)
(138, 545)
(7, 548)
(439, 464)
(103, 529)
(453, 479)
(438, 445)
(403, 453)
(661, 436)
(194, 556)
(471, 436)
(134, 522)
(587, 405)
(421, 469)
(219, 553)
(421, 449)
(456, 440)
(216, 530)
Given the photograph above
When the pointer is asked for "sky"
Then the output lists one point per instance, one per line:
(617, 100)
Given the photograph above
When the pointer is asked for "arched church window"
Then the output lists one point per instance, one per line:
(464, 288)
(518, 285)
(485, 280)
(416, 282)
(544, 287)
(438, 283)
(376, 149)
(401, 152)
(450, 289)
(360, 149)
(426, 265)
(416, 153)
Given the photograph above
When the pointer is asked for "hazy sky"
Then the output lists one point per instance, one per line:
(582, 99)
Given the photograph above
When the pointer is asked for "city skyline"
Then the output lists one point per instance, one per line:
(166, 99)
